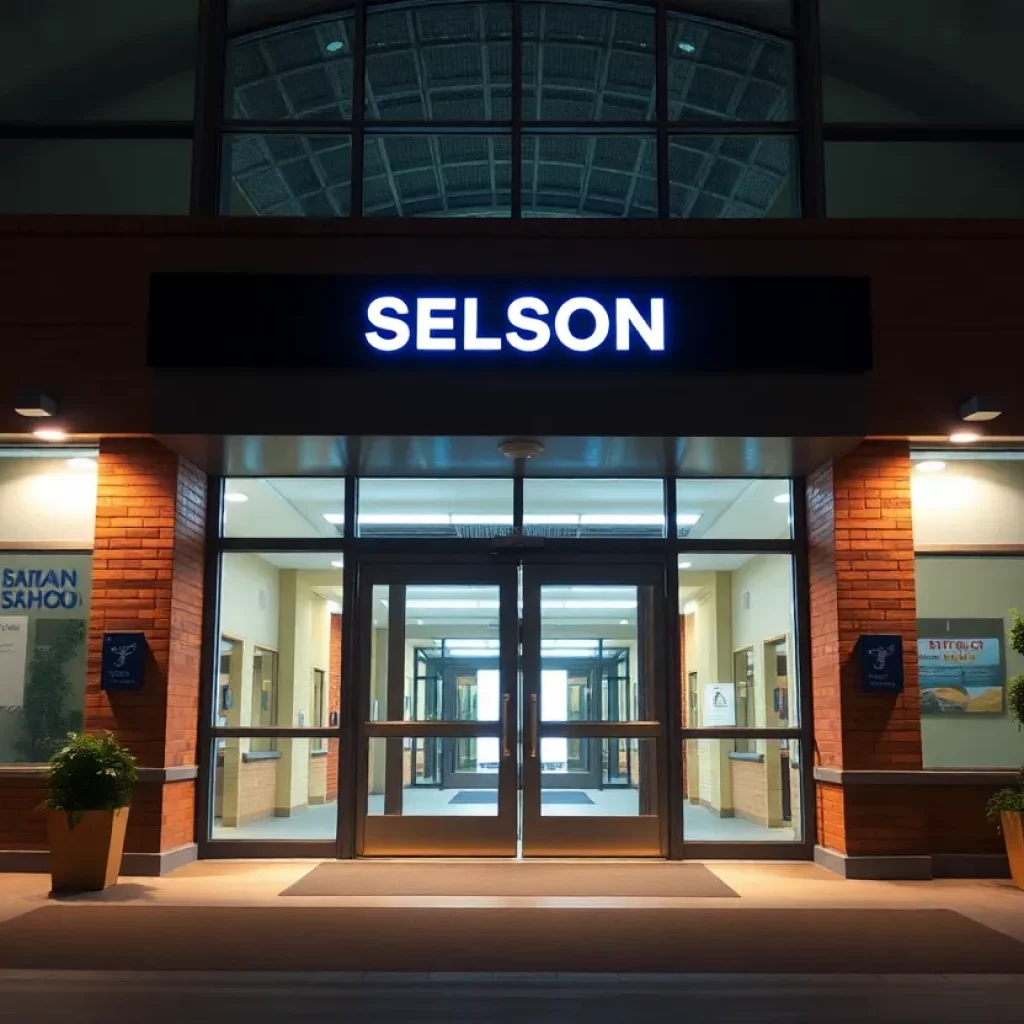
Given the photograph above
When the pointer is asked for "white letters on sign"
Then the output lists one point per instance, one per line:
(580, 324)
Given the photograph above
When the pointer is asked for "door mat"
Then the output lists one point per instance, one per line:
(508, 878)
(557, 797)
(127, 937)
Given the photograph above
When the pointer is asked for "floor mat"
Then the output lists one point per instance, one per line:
(508, 878)
(556, 797)
(835, 941)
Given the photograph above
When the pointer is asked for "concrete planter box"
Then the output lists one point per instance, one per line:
(86, 858)
(1013, 834)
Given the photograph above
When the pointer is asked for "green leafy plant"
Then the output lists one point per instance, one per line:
(48, 689)
(90, 773)
(1012, 799)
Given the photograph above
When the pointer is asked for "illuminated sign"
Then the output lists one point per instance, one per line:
(450, 324)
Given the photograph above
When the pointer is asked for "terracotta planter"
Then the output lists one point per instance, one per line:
(1013, 834)
(87, 857)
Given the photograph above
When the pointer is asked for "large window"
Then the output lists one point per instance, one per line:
(47, 521)
(968, 514)
(499, 109)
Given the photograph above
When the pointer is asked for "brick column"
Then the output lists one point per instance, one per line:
(861, 557)
(148, 577)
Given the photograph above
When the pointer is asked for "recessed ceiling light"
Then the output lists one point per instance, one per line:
(964, 437)
(236, 497)
(686, 565)
(335, 518)
(685, 47)
(623, 622)
(82, 463)
(335, 46)
(51, 434)
(337, 565)
(419, 622)
(687, 518)
(782, 499)
(931, 466)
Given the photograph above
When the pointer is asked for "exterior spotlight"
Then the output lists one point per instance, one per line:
(979, 409)
(964, 437)
(51, 434)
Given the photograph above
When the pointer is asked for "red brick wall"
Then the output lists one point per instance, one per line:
(148, 577)
(334, 704)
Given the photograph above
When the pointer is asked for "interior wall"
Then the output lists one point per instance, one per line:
(971, 588)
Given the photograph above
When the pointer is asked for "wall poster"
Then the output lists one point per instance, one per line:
(962, 666)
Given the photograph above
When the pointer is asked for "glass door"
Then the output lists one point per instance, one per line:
(593, 699)
(438, 665)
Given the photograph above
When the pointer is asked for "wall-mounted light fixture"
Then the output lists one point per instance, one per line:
(980, 409)
(35, 405)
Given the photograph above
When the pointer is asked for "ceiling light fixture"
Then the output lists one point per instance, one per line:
(335, 518)
(685, 47)
(335, 46)
(337, 565)
(931, 466)
(236, 497)
(979, 409)
(687, 518)
(82, 463)
(782, 499)
(521, 449)
(690, 608)
(964, 437)
(51, 434)
(686, 565)
(623, 622)
(35, 406)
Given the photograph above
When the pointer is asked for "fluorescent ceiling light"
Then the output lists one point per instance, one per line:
(781, 499)
(405, 519)
(451, 604)
(585, 605)
(621, 519)
(481, 520)
(690, 608)
(687, 518)
(236, 497)
(552, 519)
(964, 437)
(335, 518)
(51, 434)
(623, 622)
(931, 466)
(81, 463)
(335, 46)
(686, 565)
(337, 565)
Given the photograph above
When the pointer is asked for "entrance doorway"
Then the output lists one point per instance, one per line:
(511, 709)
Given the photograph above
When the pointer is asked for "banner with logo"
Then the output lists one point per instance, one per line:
(964, 671)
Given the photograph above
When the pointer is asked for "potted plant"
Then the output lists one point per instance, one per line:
(89, 789)
(1006, 807)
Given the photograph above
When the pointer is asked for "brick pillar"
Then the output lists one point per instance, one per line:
(148, 577)
(334, 705)
(861, 557)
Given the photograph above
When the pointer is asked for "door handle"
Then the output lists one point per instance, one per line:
(506, 749)
(533, 725)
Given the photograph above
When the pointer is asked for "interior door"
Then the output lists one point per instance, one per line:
(593, 760)
(438, 666)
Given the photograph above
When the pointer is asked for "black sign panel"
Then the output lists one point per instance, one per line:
(739, 325)
(881, 663)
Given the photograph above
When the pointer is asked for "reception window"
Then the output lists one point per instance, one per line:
(47, 522)
(968, 513)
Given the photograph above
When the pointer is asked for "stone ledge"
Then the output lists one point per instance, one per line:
(913, 868)
(140, 865)
(179, 773)
(918, 777)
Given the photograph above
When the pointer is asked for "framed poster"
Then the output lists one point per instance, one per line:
(962, 666)
(719, 704)
(13, 656)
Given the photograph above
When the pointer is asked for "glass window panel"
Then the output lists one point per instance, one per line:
(440, 777)
(439, 62)
(738, 641)
(964, 608)
(609, 777)
(721, 72)
(296, 71)
(45, 623)
(97, 61)
(773, 15)
(285, 792)
(452, 652)
(584, 62)
(749, 796)
(589, 176)
(293, 507)
(924, 179)
(97, 176)
(434, 508)
(594, 508)
(280, 627)
(736, 176)
(591, 667)
(438, 176)
(717, 509)
(937, 61)
(967, 500)
(288, 176)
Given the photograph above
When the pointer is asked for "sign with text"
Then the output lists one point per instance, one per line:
(963, 671)
(742, 324)
(881, 663)
(123, 661)
(719, 704)
(13, 655)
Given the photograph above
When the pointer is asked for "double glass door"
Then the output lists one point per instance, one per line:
(511, 709)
